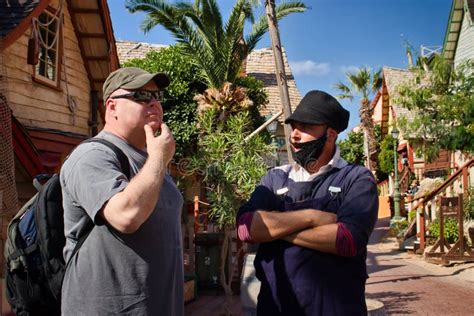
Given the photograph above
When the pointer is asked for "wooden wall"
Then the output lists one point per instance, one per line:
(465, 49)
(37, 105)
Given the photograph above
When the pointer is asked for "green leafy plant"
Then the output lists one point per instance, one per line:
(231, 166)
(180, 108)
(398, 227)
(469, 204)
(450, 229)
(385, 156)
(352, 148)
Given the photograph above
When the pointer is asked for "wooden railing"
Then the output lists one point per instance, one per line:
(426, 205)
(404, 182)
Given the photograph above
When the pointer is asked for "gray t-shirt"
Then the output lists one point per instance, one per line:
(115, 273)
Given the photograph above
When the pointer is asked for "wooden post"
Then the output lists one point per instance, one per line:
(280, 70)
(422, 227)
(196, 214)
(465, 180)
(460, 215)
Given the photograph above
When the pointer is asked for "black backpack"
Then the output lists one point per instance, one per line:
(34, 248)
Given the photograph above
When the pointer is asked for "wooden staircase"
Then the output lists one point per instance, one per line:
(426, 206)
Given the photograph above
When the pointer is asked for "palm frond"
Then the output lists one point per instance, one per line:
(212, 19)
(377, 80)
(360, 81)
(345, 91)
(197, 26)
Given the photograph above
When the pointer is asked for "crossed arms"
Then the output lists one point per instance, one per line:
(308, 228)
(346, 234)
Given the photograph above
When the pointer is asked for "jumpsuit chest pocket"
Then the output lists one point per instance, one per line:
(324, 193)
(329, 202)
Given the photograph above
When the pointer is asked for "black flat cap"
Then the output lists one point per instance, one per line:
(318, 107)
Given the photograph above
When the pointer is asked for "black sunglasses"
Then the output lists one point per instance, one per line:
(142, 96)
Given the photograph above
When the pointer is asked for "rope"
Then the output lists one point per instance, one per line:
(58, 16)
(70, 100)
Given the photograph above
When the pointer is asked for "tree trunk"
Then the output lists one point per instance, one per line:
(232, 267)
(370, 142)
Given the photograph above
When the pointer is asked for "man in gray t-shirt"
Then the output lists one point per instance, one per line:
(131, 262)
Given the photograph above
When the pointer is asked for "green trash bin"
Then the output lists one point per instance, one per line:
(208, 254)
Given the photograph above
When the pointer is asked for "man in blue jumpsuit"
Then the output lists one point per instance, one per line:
(313, 220)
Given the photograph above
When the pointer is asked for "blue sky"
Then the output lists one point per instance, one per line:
(334, 36)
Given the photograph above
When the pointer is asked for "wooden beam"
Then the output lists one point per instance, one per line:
(81, 46)
(91, 35)
(85, 11)
(107, 23)
(93, 58)
(99, 80)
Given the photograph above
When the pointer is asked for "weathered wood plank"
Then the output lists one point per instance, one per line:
(60, 126)
(41, 105)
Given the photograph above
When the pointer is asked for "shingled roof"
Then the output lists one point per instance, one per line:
(260, 64)
(393, 77)
(128, 50)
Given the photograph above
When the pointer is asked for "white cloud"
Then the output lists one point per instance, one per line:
(309, 67)
(346, 69)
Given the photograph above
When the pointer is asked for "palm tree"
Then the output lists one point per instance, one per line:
(218, 49)
(363, 83)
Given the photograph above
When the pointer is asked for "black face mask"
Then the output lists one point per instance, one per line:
(309, 151)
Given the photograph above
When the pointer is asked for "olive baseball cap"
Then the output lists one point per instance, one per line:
(318, 107)
(132, 78)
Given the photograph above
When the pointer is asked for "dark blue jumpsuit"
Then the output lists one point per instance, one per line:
(302, 281)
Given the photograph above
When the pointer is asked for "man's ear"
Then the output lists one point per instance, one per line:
(331, 134)
(110, 106)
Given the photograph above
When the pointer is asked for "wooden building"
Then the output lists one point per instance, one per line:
(459, 45)
(459, 39)
(54, 58)
(386, 112)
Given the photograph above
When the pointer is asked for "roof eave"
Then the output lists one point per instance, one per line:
(456, 6)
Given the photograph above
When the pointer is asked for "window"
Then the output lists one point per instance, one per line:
(48, 28)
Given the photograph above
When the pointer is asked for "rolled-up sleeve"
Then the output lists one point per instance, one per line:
(357, 215)
(262, 198)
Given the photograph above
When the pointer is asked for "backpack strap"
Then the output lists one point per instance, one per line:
(124, 163)
(21, 252)
(125, 166)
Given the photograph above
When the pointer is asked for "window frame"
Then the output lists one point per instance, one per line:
(39, 78)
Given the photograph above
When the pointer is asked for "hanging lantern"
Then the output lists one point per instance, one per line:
(33, 45)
